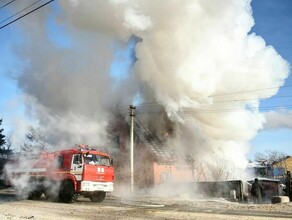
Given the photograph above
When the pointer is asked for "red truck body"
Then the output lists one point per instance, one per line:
(65, 174)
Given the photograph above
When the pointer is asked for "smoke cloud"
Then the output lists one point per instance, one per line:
(278, 119)
(194, 58)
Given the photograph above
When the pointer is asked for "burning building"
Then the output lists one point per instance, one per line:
(155, 163)
(194, 69)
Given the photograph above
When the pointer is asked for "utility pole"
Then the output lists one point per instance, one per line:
(132, 115)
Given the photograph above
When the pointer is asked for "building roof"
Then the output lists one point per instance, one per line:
(161, 152)
(282, 160)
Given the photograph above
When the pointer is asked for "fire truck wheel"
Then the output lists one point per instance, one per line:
(51, 196)
(22, 193)
(97, 196)
(35, 195)
(67, 192)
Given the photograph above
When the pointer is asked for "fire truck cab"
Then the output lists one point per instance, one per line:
(63, 175)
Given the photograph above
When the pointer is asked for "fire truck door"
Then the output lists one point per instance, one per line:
(77, 166)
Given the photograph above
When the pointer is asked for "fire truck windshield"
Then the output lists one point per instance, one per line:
(96, 159)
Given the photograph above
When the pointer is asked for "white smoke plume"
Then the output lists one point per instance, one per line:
(192, 52)
(278, 119)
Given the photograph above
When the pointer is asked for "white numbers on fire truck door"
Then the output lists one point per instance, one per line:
(100, 170)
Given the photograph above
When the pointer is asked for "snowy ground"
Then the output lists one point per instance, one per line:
(140, 207)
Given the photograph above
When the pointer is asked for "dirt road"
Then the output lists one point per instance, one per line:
(137, 209)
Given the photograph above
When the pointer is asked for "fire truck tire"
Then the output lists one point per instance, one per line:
(50, 195)
(35, 195)
(67, 192)
(22, 193)
(97, 196)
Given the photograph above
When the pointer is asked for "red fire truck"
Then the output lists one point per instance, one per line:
(65, 174)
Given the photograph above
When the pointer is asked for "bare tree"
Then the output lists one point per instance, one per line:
(196, 168)
(34, 141)
(270, 156)
(221, 169)
(274, 158)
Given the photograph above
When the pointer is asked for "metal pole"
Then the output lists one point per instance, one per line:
(132, 115)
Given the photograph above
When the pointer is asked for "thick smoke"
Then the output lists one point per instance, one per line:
(194, 59)
(280, 119)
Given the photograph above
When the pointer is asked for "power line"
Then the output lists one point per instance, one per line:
(19, 12)
(247, 91)
(266, 108)
(7, 4)
(158, 109)
(155, 103)
(27, 14)
(251, 99)
(215, 110)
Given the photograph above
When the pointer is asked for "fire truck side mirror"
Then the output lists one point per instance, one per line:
(112, 162)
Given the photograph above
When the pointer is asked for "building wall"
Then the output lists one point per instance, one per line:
(147, 172)
(286, 164)
(171, 173)
(143, 167)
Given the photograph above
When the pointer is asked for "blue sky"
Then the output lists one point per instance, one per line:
(273, 21)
